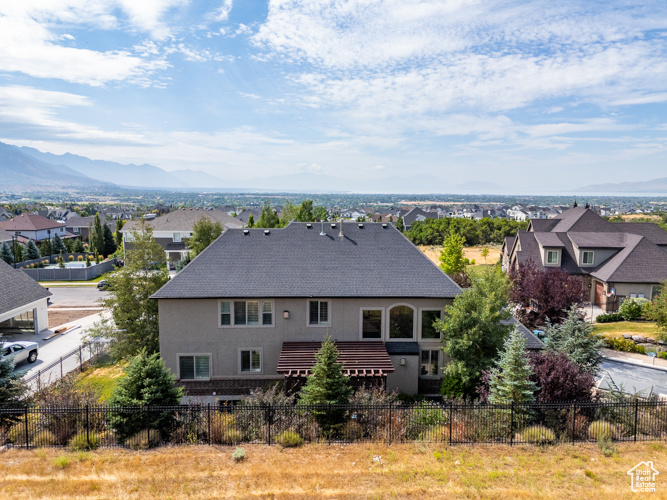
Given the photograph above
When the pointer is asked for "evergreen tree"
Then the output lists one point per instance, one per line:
(472, 332)
(6, 253)
(205, 231)
(320, 213)
(31, 250)
(510, 378)
(12, 388)
(19, 252)
(78, 246)
(399, 224)
(61, 261)
(57, 245)
(97, 238)
(327, 385)
(267, 218)
(251, 220)
(452, 260)
(575, 338)
(109, 242)
(69, 244)
(305, 212)
(45, 248)
(147, 382)
(118, 236)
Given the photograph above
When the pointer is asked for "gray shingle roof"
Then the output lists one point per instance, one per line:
(648, 230)
(598, 240)
(183, 220)
(18, 289)
(550, 240)
(532, 342)
(369, 261)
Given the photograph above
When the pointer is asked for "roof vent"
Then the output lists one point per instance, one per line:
(309, 225)
(322, 233)
(245, 231)
(333, 226)
(267, 231)
(361, 226)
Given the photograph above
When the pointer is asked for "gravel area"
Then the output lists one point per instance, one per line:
(57, 318)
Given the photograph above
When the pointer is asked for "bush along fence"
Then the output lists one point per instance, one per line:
(144, 427)
(76, 359)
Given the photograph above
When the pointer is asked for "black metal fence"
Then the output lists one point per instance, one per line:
(449, 423)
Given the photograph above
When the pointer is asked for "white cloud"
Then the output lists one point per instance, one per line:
(221, 14)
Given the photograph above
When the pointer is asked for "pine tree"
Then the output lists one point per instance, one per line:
(57, 245)
(118, 236)
(78, 246)
(328, 385)
(12, 388)
(147, 382)
(509, 381)
(109, 242)
(574, 338)
(399, 224)
(19, 252)
(46, 249)
(97, 239)
(251, 220)
(6, 253)
(31, 250)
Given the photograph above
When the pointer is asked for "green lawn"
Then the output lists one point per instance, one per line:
(644, 328)
(103, 378)
(478, 268)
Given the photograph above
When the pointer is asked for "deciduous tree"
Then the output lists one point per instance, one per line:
(452, 260)
(205, 231)
(558, 378)
(268, 218)
(305, 212)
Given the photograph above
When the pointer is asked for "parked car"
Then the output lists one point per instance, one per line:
(103, 285)
(20, 351)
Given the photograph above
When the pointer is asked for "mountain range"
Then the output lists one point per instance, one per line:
(654, 186)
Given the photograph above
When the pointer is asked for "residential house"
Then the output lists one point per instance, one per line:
(170, 230)
(614, 260)
(23, 302)
(249, 308)
(81, 226)
(35, 227)
(417, 215)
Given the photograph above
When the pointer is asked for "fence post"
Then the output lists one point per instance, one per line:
(451, 420)
(39, 380)
(636, 415)
(512, 425)
(574, 420)
(27, 439)
(208, 409)
(87, 428)
(268, 424)
(389, 437)
(61, 367)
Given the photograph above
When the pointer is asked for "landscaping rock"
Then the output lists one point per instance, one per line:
(651, 341)
(638, 339)
(627, 336)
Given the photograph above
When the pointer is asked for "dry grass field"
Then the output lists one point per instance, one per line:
(630, 217)
(322, 471)
(616, 329)
(433, 253)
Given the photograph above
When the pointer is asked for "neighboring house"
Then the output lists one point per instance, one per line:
(34, 227)
(170, 230)
(5, 215)
(80, 226)
(614, 260)
(254, 307)
(244, 215)
(417, 214)
(6, 237)
(23, 302)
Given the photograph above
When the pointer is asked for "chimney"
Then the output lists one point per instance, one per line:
(341, 228)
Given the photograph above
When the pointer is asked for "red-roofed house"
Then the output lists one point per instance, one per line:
(34, 227)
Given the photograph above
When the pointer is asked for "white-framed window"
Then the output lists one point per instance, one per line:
(426, 319)
(250, 360)
(552, 256)
(587, 257)
(319, 312)
(371, 323)
(177, 237)
(62, 229)
(401, 322)
(194, 366)
(241, 313)
(430, 365)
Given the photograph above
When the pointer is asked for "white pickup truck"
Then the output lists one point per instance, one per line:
(20, 351)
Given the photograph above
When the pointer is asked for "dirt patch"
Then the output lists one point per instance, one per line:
(433, 253)
(57, 318)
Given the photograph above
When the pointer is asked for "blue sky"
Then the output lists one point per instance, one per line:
(534, 95)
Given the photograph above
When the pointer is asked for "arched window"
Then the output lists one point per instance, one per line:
(401, 322)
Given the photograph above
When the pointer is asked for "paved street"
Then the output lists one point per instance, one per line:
(75, 296)
(634, 377)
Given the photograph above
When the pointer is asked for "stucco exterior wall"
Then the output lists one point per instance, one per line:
(189, 326)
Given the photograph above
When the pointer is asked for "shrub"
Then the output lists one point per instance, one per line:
(16, 436)
(70, 258)
(223, 429)
(632, 308)
(609, 318)
(80, 258)
(61, 462)
(353, 431)
(83, 442)
(602, 430)
(662, 355)
(143, 440)
(558, 378)
(538, 434)
(289, 439)
(239, 455)
(624, 345)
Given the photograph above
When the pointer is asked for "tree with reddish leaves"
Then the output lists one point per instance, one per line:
(542, 293)
(559, 378)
